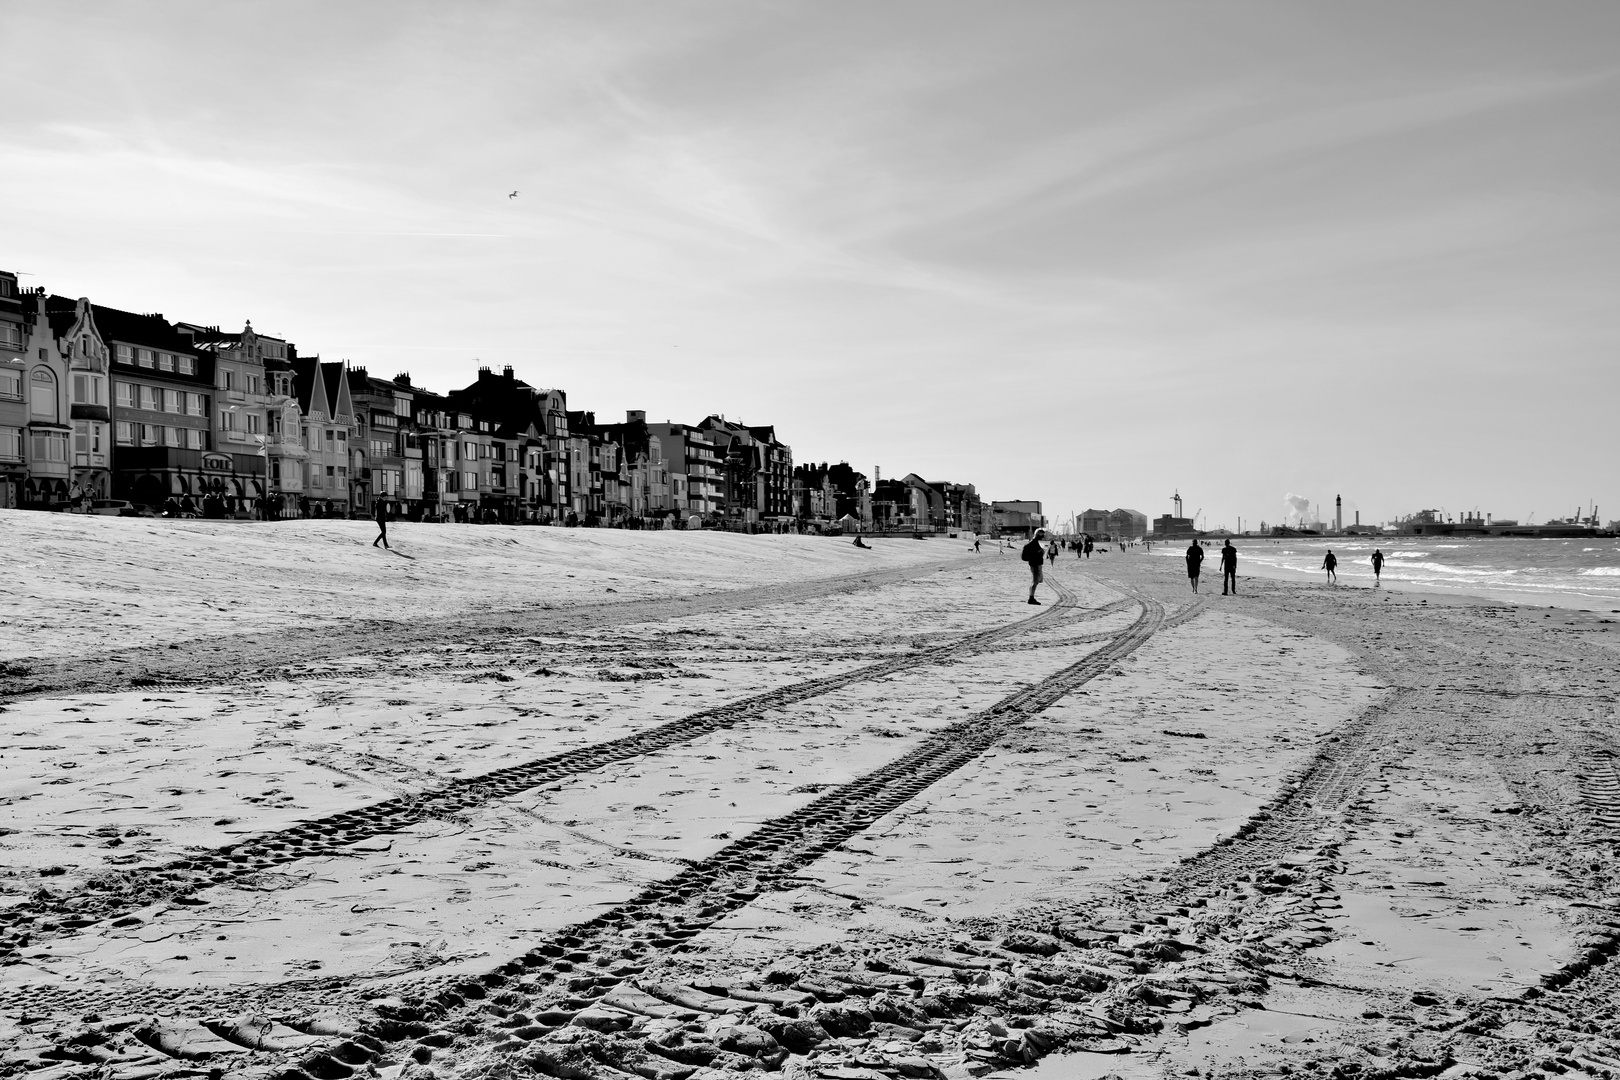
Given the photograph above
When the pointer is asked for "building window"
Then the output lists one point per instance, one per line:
(87, 390)
(11, 443)
(199, 404)
(51, 446)
(124, 393)
(253, 384)
(149, 434)
(43, 395)
(342, 436)
(172, 437)
(255, 423)
(188, 365)
(165, 362)
(124, 433)
(10, 336)
(196, 439)
(11, 384)
(124, 354)
(469, 481)
(331, 471)
(143, 357)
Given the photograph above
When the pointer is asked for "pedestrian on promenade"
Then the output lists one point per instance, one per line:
(1051, 552)
(975, 545)
(1089, 545)
(1378, 567)
(1195, 563)
(1330, 563)
(1229, 568)
(1034, 553)
(381, 514)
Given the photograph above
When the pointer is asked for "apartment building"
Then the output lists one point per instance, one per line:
(327, 417)
(13, 393)
(696, 476)
(756, 483)
(283, 429)
(385, 455)
(162, 396)
(251, 425)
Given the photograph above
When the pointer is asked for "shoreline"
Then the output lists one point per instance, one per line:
(1361, 577)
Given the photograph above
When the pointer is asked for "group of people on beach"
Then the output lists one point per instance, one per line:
(1039, 551)
(1330, 563)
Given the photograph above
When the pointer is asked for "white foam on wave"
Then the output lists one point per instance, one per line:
(1601, 571)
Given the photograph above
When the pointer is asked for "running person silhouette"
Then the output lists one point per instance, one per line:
(1378, 567)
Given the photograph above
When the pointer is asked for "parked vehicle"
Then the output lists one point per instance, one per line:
(116, 508)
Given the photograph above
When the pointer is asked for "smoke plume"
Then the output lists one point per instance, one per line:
(1298, 507)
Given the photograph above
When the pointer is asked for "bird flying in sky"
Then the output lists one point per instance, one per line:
(512, 196)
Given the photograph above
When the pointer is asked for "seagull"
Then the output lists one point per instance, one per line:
(512, 196)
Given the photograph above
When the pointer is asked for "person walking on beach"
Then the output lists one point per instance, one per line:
(381, 514)
(1378, 567)
(1330, 563)
(1195, 562)
(1034, 553)
(975, 545)
(1089, 543)
(1229, 568)
(1051, 552)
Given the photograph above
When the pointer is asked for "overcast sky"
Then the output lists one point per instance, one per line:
(1083, 253)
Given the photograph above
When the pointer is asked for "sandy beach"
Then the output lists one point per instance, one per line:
(589, 804)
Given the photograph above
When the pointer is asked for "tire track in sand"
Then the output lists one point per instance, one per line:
(543, 990)
(50, 914)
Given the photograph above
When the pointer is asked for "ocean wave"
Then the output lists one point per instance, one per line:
(1460, 571)
(1409, 555)
(1601, 571)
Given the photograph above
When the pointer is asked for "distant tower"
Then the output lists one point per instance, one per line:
(1338, 514)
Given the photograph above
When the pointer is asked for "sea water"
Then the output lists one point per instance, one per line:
(1583, 572)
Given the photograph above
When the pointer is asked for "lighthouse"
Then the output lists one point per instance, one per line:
(1338, 514)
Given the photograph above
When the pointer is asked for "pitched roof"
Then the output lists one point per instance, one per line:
(151, 331)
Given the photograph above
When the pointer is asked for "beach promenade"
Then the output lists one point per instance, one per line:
(588, 803)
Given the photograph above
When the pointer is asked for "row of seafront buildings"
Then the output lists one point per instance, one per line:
(102, 404)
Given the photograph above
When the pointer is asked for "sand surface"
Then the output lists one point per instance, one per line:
(776, 803)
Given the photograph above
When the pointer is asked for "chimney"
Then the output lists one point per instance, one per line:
(403, 378)
(507, 371)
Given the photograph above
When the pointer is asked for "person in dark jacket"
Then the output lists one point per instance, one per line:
(380, 512)
(1228, 568)
(1195, 563)
(1034, 553)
